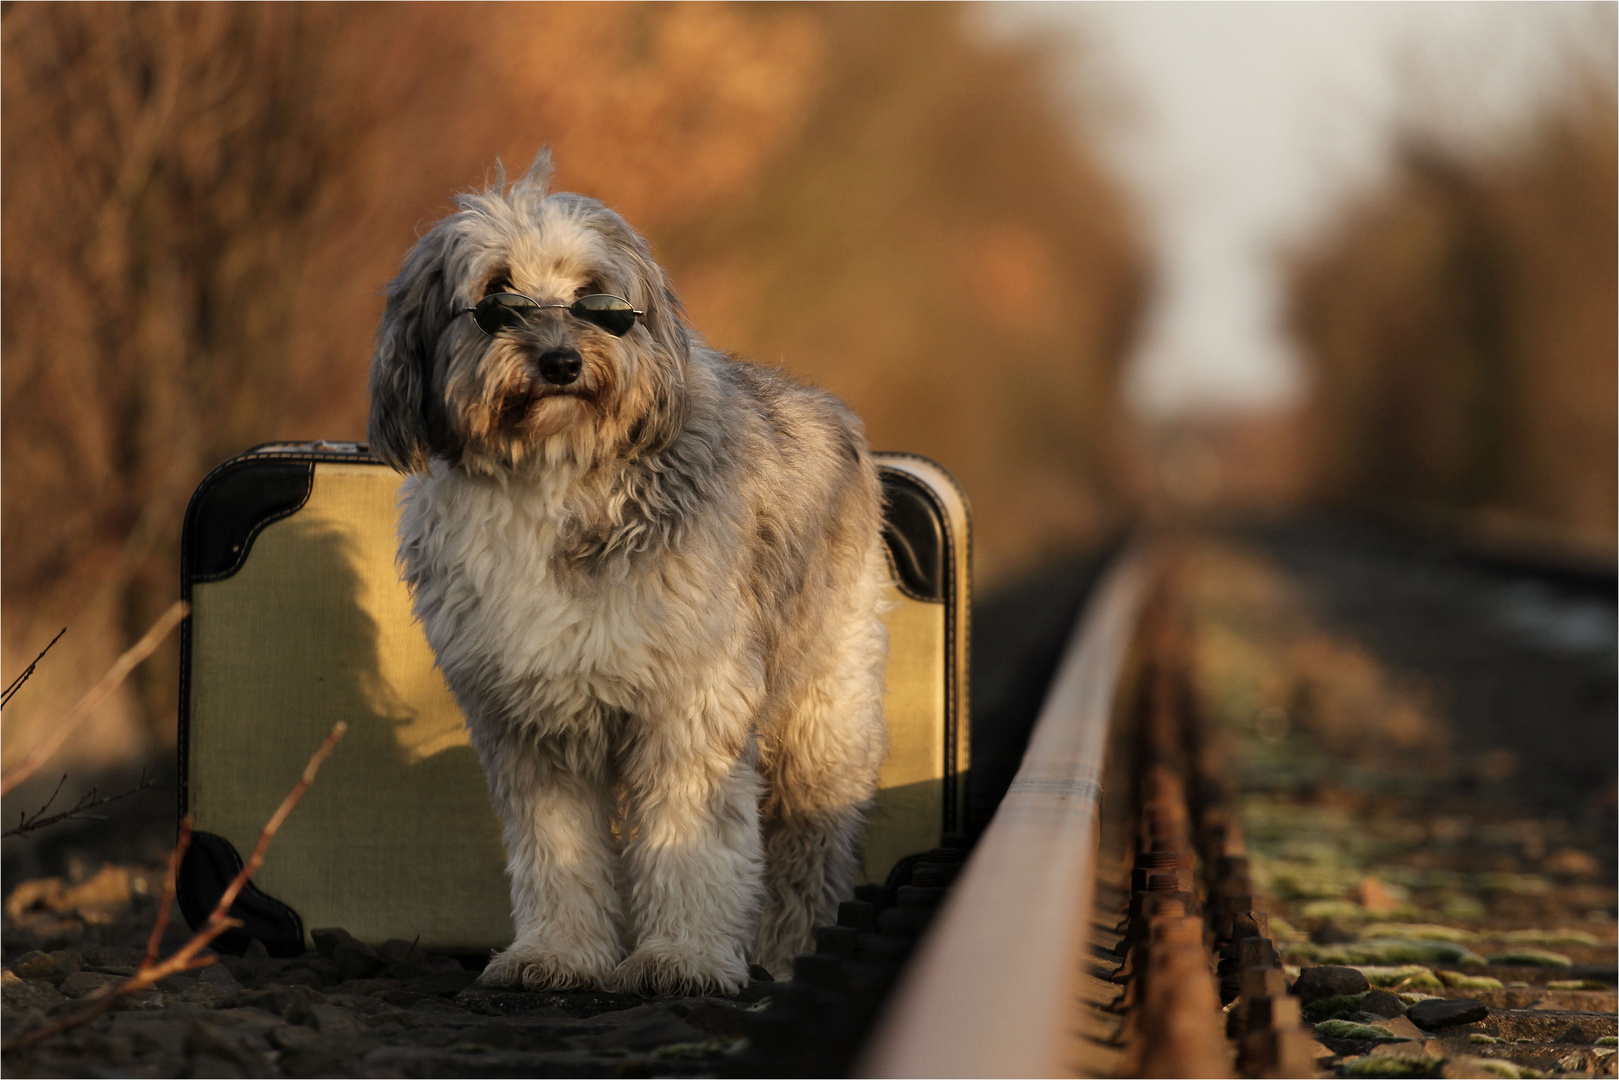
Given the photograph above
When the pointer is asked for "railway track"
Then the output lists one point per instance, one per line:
(1240, 843)
(1109, 921)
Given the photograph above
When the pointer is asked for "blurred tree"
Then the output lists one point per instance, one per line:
(1461, 326)
(165, 174)
(942, 250)
(203, 202)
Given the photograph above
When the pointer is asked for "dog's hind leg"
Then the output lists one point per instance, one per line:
(561, 858)
(821, 760)
(810, 858)
(692, 860)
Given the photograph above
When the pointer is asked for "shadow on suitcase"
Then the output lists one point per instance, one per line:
(296, 639)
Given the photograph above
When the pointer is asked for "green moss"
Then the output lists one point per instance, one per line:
(1531, 958)
(1304, 879)
(695, 1051)
(1348, 1029)
(1337, 910)
(1461, 981)
(1547, 937)
(1404, 977)
(1418, 932)
(1333, 1008)
(1419, 980)
(1462, 907)
(1516, 884)
(1386, 952)
(1392, 1065)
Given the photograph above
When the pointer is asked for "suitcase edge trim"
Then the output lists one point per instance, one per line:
(941, 486)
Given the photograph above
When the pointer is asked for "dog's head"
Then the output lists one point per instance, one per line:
(549, 386)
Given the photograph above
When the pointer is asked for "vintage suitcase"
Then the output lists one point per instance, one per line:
(299, 619)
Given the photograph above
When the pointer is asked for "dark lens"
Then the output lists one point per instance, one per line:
(501, 311)
(613, 314)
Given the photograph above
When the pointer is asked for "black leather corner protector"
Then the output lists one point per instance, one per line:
(232, 505)
(915, 536)
(209, 865)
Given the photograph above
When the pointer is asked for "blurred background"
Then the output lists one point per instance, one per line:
(1104, 262)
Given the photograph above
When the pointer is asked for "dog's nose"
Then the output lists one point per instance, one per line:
(559, 367)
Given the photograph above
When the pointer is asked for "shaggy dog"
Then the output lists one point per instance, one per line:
(651, 575)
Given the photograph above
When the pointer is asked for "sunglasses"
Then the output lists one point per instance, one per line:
(505, 311)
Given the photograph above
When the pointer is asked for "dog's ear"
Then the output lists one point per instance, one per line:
(408, 424)
(665, 323)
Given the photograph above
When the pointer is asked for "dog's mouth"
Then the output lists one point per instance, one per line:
(516, 406)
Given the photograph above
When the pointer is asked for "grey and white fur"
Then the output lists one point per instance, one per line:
(655, 592)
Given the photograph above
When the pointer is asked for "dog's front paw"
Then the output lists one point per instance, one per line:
(659, 970)
(539, 969)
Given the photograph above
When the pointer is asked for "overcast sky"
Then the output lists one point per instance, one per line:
(1241, 125)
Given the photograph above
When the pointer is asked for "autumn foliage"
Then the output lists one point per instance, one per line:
(1460, 322)
(203, 202)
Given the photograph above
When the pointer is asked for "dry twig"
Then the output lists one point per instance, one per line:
(16, 684)
(109, 682)
(153, 970)
(30, 823)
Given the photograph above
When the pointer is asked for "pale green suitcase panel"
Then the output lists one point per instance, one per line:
(315, 628)
(397, 839)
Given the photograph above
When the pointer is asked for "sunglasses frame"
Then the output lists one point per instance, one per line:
(634, 312)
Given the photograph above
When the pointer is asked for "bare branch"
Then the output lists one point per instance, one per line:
(185, 958)
(109, 682)
(23, 821)
(16, 684)
(80, 810)
(273, 826)
(170, 884)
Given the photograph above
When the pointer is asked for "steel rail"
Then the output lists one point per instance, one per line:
(991, 991)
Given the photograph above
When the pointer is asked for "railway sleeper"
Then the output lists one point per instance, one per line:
(817, 1022)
